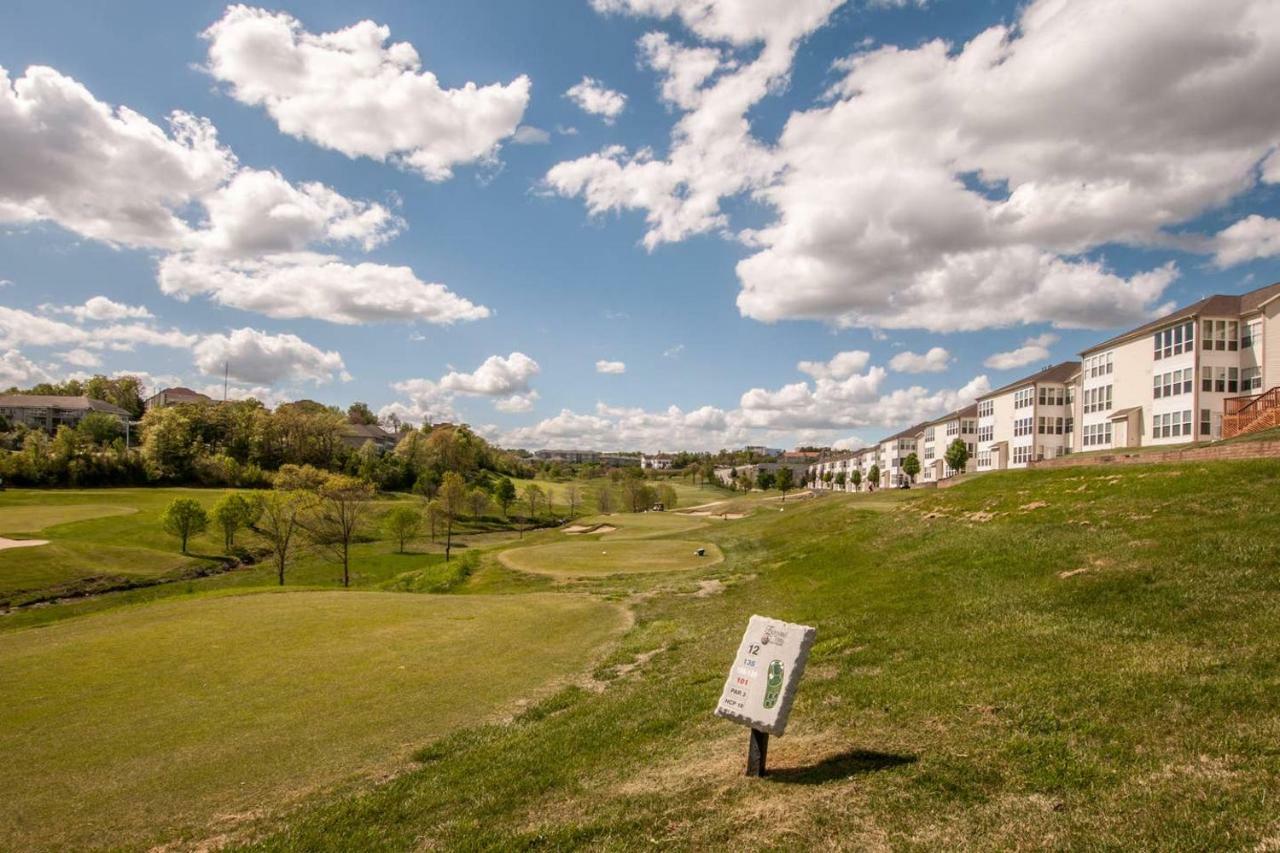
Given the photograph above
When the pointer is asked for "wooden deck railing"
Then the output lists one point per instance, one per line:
(1242, 415)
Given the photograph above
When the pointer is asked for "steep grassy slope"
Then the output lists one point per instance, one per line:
(1074, 658)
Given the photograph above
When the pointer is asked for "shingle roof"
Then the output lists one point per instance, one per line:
(367, 430)
(1058, 373)
(969, 411)
(1218, 304)
(59, 401)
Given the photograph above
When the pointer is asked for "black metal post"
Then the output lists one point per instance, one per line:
(757, 753)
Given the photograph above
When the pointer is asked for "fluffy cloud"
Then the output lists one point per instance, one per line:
(613, 428)
(593, 97)
(504, 379)
(100, 309)
(108, 174)
(259, 212)
(1249, 239)
(351, 91)
(841, 366)
(1032, 350)
(320, 286)
(712, 153)
(255, 357)
(527, 134)
(20, 371)
(933, 361)
(81, 358)
(22, 328)
(603, 366)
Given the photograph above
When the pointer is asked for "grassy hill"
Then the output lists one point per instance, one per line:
(1075, 658)
(1079, 657)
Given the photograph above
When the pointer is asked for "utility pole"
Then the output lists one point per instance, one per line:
(226, 369)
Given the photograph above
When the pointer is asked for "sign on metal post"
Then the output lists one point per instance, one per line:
(762, 682)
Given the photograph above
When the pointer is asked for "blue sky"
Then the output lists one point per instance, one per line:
(932, 203)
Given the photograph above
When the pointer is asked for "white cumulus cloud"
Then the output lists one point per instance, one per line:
(933, 361)
(256, 357)
(593, 97)
(604, 366)
(351, 91)
(1032, 350)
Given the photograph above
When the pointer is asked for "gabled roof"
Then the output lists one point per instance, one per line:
(1057, 373)
(969, 411)
(1218, 305)
(909, 432)
(367, 431)
(59, 401)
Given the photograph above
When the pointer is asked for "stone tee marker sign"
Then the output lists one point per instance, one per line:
(763, 680)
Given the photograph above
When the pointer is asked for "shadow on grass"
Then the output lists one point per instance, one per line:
(840, 766)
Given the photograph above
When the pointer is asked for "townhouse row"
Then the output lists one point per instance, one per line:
(1208, 371)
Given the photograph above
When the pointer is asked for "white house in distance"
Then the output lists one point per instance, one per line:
(1198, 373)
(892, 452)
(1032, 418)
(657, 462)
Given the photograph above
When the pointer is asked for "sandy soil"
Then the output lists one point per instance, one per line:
(6, 544)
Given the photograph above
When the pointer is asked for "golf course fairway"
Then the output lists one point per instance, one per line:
(156, 722)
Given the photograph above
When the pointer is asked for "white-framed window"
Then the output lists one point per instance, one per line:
(986, 408)
(1221, 335)
(953, 428)
(1097, 435)
(1251, 379)
(1171, 424)
(986, 433)
(1024, 397)
(1022, 426)
(1250, 334)
(1173, 383)
(968, 426)
(1097, 399)
(1022, 455)
(1206, 423)
(1174, 340)
(1052, 395)
(1049, 426)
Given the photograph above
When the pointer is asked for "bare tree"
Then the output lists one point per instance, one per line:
(604, 500)
(571, 496)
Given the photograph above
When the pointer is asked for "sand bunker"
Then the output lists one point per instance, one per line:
(577, 528)
(605, 528)
(6, 544)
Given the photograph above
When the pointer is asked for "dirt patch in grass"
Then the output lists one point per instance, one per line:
(6, 544)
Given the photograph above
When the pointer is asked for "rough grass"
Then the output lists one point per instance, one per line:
(181, 719)
(1079, 658)
(611, 557)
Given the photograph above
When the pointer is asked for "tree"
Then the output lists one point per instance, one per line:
(873, 476)
(234, 512)
(505, 493)
(856, 477)
(167, 446)
(100, 427)
(604, 499)
(840, 479)
(911, 466)
(957, 455)
(477, 501)
(667, 496)
(402, 523)
(342, 506)
(279, 523)
(453, 494)
(785, 481)
(360, 413)
(636, 492)
(184, 518)
(533, 496)
(765, 480)
(571, 497)
(435, 517)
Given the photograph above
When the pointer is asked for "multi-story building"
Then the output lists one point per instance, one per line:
(176, 397)
(937, 436)
(48, 412)
(1027, 420)
(1172, 380)
(892, 452)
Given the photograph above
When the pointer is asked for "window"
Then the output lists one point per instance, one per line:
(1097, 399)
(1049, 426)
(1024, 397)
(1097, 435)
(1206, 374)
(1022, 426)
(1251, 379)
(984, 460)
(1233, 380)
(986, 433)
(1250, 334)
(1206, 423)
(1051, 395)
(928, 434)
(1021, 455)
(1221, 335)
(1233, 335)
(1171, 424)
(1220, 380)
(1068, 426)
(986, 408)
(1104, 364)
(953, 428)
(1172, 384)
(1174, 340)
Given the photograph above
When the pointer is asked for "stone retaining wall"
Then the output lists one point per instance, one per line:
(1238, 450)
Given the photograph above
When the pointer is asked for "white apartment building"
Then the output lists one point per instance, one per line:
(1173, 380)
(937, 436)
(1030, 419)
(892, 452)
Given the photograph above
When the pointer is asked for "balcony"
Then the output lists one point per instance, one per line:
(1243, 415)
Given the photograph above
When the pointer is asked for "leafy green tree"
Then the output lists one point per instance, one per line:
(453, 496)
(184, 518)
(765, 480)
(167, 446)
(839, 479)
(340, 511)
(100, 427)
(477, 501)
(667, 496)
(604, 499)
(785, 481)
(856, 477)
(957, 455)
(402, 523)
(232, 513)
(873, 476)
(360, 413)
(435, 517)
(505, 494)
(911, 466)
(279, 523)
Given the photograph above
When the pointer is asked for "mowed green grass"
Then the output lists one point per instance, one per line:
(155, 723)
(606, 557)
(1071, 659)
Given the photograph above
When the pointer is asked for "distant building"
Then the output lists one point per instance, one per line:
(48, 412)
(761, 450)
(355, 436)
(657, 462)
(175, 397)
(587, 457)
(1031, 419)
(937, 436)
